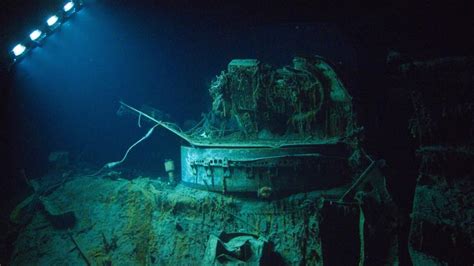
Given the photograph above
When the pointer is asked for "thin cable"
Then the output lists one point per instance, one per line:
(113, 164)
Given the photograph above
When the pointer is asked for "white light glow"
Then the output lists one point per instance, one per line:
(35, 35)
(52, 20)
(68, 6)
(19, 49)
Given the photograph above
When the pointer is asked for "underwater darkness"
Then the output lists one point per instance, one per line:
(64, 96)
(69, 89)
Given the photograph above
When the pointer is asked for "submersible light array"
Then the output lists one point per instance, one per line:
(37, 36)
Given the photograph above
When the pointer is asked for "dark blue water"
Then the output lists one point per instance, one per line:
(67, 91)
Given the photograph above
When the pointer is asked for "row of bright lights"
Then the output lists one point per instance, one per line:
(53, 22)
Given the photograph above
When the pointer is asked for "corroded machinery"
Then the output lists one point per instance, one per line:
(273, 131)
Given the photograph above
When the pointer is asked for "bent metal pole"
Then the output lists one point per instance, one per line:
(160, 123)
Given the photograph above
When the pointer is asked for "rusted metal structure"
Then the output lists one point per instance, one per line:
(272, 131)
